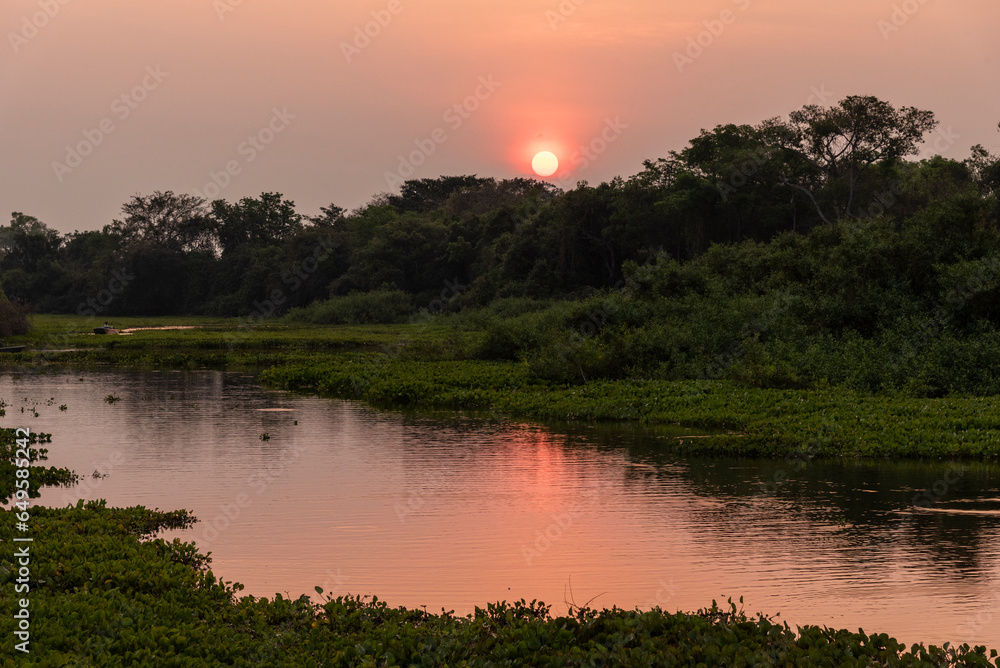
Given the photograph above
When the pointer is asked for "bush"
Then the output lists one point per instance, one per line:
(358, 308)
(13, 318)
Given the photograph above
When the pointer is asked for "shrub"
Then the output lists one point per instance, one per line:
(358, 308)
(13, 318)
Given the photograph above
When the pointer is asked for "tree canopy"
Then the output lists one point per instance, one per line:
(499, 238)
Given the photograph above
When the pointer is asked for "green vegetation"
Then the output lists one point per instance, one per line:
(212, 342)
(797, 288)
(827, 423)
(357, 308)
(800, 253)
(467, 241)
(13, 457)
(431, 366)
(104, 594)
(13, 317)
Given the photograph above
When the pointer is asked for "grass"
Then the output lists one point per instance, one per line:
(214, 343)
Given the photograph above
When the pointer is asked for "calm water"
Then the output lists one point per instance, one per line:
(453, 511)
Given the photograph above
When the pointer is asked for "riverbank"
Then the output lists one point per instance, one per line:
(424, 365)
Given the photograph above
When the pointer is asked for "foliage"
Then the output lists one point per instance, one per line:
(841, 146)
(163, 219)
(38, 476)
(358, 308)
(481, 239)
(753, 392)
(831, 423)
(13, 317)
(254, 220)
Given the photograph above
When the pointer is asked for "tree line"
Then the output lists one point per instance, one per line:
(820, 167)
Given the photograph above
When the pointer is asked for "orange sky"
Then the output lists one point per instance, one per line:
(336, 124)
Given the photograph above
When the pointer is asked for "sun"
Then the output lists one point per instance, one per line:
(545, 163)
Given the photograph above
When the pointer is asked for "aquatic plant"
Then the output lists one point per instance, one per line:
(11, 458)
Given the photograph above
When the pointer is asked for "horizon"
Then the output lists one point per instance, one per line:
(334, 105)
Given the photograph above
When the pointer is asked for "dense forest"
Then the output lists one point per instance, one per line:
(793, 251)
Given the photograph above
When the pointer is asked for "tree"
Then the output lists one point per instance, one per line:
(13, 317)
(829, 152)
(740, 163)
(490, 194)
(422, 195)
(167, 220)
(26, 243)
(329, 216)
(267, 220)
(985, 169)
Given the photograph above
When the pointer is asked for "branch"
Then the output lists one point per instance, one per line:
(785, 181)
(850, 198)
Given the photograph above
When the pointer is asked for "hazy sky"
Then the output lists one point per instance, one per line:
(103, 99)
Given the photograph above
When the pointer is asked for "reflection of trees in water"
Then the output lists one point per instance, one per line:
(870, 514)
(865, 511)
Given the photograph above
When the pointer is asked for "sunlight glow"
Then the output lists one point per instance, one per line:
(545, 163)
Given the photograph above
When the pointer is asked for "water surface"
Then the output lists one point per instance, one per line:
(450, 510)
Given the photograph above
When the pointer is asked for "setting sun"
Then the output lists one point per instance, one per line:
(545, 163)
(496, 266)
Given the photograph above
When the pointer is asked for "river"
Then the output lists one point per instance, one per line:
(452, 510)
